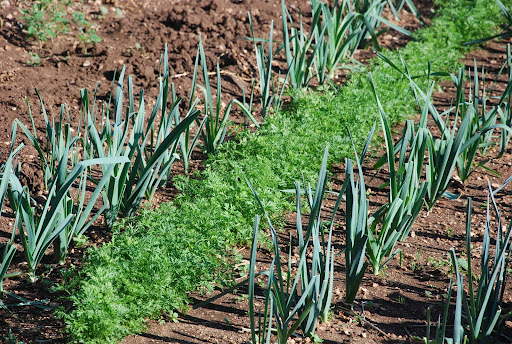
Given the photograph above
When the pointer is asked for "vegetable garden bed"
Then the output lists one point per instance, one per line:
(213, 206)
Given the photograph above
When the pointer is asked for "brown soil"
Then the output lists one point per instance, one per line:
(400, 296)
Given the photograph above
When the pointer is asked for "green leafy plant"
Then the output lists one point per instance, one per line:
(11, 338)
(506, 32)
(45, 19)
(35, 60)
(86, 33)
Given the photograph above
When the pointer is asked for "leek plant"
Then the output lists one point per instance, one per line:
(393, 221)
(311, 292)
(483, 309)
(356, 232)
(440, 336)
(80, 211)
(369, 18)
(187, 141)
(297, 45)
(8, 248)
(38, 229)
(216, 117)
(445, 152)
(264, 64)
(356, 220)
(61, 152)
(132, 137)
(59, 143)
(459, 143)
(288, 300)
(482, 123)
(271, 92)
(313, 240)
(334, 45)
(483, 319)
(504, 108)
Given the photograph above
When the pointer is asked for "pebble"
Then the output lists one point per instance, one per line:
(5, 4)
(9, 16)
(86, 63)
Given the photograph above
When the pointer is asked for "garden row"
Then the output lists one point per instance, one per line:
(162, 255)
(215, 209)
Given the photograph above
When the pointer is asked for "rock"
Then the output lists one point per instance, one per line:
(86, 63)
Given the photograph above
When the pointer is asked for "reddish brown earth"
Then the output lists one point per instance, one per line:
(396, 301)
